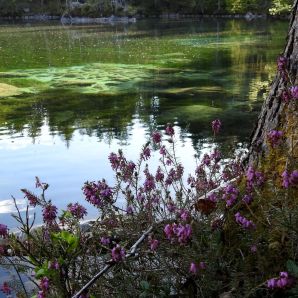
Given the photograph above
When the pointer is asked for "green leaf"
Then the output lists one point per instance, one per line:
(292, 268)
(41, 272)
(145, 285)
(70, 239)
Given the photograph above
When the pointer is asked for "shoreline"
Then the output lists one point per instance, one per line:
(133, 19)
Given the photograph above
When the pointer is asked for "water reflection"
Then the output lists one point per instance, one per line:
(70, 95)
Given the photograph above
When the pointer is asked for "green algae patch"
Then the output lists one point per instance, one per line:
(194, 90)
(194, 112)
(9, 90)
(96, 78)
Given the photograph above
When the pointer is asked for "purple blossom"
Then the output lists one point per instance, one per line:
(54, 265)
(183, 233)
(289, 179)
(206, 160)
(171, 206)
(294, 177)
(215, 155)
(149, 183)
(230, 195)
(77, 210)
(41, 294)
(281, 282)
(254, 177)
(153, 243)
(286, 96)
(163, 150)
(3, 231)
(193, 268)
(202, 265)
(184, 215)
(294, 92)
(170, 130)
(5, 288)
(118, 253)
(146, 154)
(168, 230)
(247, 198)
(44, 283)
(129, 210)
(105, 241)
(114, 160)
(216, 126)
(212, 197)
(244, 222)
(282, 63)
(49, 213)
(97, 193)
(274, 137)
(140, 196)
(168, 162)
(253, 248)
(159, 176)
(33, 199)
(41, 185)
(156, 137)
(285, 179)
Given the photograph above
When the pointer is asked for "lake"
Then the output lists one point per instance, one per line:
(69, 95)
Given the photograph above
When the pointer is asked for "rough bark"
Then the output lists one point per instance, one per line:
(273, 107)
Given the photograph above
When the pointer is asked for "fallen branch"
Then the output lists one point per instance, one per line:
(111, 263)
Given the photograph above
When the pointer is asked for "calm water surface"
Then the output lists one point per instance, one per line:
(69, 95)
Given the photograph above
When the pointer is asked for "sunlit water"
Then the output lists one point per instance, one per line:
(71, 95)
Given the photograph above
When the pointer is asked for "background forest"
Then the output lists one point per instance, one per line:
(143, 7)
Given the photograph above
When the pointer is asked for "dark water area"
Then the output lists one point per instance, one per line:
(69, 95)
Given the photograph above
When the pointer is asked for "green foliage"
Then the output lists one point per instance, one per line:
(96, 8)
(280, 7)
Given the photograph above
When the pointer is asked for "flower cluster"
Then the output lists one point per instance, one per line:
(156, 137)
(118, 253)
(105, 241)
(180, 232)
(275, 137)
(44, 285)
(149, 183)
(170, 130)
(294, 92)
(254, 177)
(282, 66)
(216, 126)
(289, 179)
(33, 199)
(123, 167)
(290, 94)
(146, 153)
(3, 231)
(245, 223)
(230, 195)
(5, 288)
(41, 185)
(54, 265)
(77, 210)
(194, 267)
(98, 193)
(49, 213)
(281, 282)
(153, 243)
(247, 198)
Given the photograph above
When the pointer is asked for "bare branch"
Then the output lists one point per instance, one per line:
(111, 263)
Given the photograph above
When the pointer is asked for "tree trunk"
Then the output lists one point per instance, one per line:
(273, 109)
